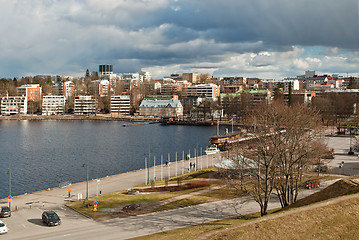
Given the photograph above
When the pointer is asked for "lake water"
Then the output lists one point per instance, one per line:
(44, 154)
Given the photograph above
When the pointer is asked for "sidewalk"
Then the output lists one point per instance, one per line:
(56, 197)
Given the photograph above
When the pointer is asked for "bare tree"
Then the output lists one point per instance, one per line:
(282, 148)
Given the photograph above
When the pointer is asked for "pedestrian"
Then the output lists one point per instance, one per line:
(194, 166)
(190, 165)
(169, 164)
(166, 162)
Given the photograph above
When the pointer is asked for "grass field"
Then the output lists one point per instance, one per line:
(329, 214)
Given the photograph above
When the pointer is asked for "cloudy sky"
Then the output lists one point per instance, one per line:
(250, 38)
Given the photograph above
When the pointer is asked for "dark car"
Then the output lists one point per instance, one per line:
(5, 212)
(312, 184)
(51, 218)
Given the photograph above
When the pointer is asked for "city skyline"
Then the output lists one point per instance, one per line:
(258, 38)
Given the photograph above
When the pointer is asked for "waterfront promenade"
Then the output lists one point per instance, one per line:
(110, 184)
(26, 221)
(27, 208)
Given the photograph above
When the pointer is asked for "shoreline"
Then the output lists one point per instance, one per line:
(105, 117)
(108, 184)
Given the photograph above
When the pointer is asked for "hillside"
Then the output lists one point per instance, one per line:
(329, 214)
(335, 218)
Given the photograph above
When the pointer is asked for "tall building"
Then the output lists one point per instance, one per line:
(105, 69)
(192, 77)
(53, 105)
(68, 89)
(202, 90)
(120, 104)
(100, 87)
(85, 105)
(31, 91)
(13, 105)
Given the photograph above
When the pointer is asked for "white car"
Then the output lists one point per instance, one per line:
(3, 228)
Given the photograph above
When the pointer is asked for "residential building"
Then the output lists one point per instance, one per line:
(227, 81)
(85, 105)
(120, 104)
(64, 88)
(13, 105)
(192, 77)
(152, 87)
(211, 91)
(284, 84)
(247, 99)
(161, 108)
(99, 87)
(146, 76)
(53, 105)
(68, 89)
(32, 92)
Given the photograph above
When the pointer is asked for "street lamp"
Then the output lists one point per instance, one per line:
(97, 183)
(147, 164)
(195, 155)
(350, 148)
(9, 172)
(87, 177)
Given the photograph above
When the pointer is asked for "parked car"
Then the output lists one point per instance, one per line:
(51, 218)
(311, 184)
(5, 212)
(3, 228)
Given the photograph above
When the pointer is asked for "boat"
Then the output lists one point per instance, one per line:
(223, 141)
(212, 150)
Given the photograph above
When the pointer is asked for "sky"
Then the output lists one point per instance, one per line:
(269, 39)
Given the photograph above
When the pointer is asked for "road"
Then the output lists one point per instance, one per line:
(25, 223)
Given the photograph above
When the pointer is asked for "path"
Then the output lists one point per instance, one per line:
(26, 223)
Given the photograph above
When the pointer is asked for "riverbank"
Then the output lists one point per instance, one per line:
(59, 195)
(105, 117)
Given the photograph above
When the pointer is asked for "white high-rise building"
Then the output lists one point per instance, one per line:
(53, 105)
(120, 104)
(13, 105)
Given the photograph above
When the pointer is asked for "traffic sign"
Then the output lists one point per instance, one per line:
(10, 199)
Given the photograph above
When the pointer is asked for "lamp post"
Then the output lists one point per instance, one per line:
(87, 177)
(9, 172)
(147, 163)
(350, 148)
(232, 125)
(97, 183)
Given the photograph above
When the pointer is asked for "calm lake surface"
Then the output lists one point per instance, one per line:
(44, 154)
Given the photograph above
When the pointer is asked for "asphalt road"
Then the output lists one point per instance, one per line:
(26, 223)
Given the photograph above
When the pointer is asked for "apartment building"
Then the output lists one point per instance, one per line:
(85, 105)
(120, 104)
(161, 108)
(68, 89)
(31, 91)
(64, 88)
(13, 105)
(192, 77)
(53, 105)
(211, 91)
(99, 87)
(250, 98)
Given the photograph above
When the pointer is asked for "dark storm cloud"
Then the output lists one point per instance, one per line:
(65, 37)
